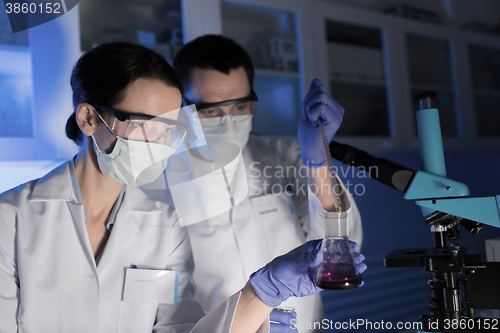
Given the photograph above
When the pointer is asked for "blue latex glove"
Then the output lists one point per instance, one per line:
(282, 322)
(317, 103)
(358, 259)
(288, 275)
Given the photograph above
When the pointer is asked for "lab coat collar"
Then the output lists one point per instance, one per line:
(54, 186)
(57, 186)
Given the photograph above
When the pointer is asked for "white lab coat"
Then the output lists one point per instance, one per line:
(228, 248)
(49, 281)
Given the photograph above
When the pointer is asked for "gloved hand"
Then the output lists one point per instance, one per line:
(288, 275)
(282, 322)
(358, 259)
(318, 103)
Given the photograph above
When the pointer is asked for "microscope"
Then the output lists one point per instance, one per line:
(460, 283)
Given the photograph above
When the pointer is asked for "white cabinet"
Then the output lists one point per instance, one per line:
(354, 56)
(464, 70)
(427, 61)
(373, 64)
(376, 64)
(482, 53)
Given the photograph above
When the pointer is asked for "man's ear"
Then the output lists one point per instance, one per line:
(85, 118)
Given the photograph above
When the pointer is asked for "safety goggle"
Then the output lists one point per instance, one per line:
(139, 127)
(234, 107)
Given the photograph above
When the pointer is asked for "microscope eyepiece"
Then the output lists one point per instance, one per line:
(426, 99)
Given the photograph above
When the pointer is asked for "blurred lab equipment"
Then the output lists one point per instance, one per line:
(277, 54)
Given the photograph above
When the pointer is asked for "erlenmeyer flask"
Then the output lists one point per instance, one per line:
(337, 270)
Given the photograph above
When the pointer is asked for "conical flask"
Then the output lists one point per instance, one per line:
(337, 271)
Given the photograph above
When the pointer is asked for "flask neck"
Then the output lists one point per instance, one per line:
(335, 224)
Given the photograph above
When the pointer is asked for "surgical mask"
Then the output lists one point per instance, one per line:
(133, 163)
(234, 129)
(235, 132)
(217, 142)
(228, 121)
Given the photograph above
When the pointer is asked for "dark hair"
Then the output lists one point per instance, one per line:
(102, 74)
(213, 52)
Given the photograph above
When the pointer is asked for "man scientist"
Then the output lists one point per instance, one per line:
(218, 78)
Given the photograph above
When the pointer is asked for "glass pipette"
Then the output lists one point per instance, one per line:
(340, 201)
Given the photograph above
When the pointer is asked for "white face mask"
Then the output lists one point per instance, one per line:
(133, 163)
(236, 132)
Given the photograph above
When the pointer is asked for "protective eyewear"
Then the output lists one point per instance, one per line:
(234, 107)
(141, 127)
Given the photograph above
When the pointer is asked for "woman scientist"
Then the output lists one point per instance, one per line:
(81, 252)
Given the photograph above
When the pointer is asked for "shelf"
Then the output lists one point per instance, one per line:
(355, 62)
(270, 72)
(374, 83)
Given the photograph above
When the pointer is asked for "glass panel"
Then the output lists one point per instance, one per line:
(279, 103)
(429, 60)
(356, 65)
(269, 36)
(430, 69)
(16, 84)
(366, 116)
(485, 74)
(488, 114)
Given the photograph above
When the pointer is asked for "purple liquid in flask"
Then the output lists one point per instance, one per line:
(337, 270)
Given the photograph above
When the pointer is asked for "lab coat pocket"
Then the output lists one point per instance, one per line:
(279, 221)
(136, 317)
